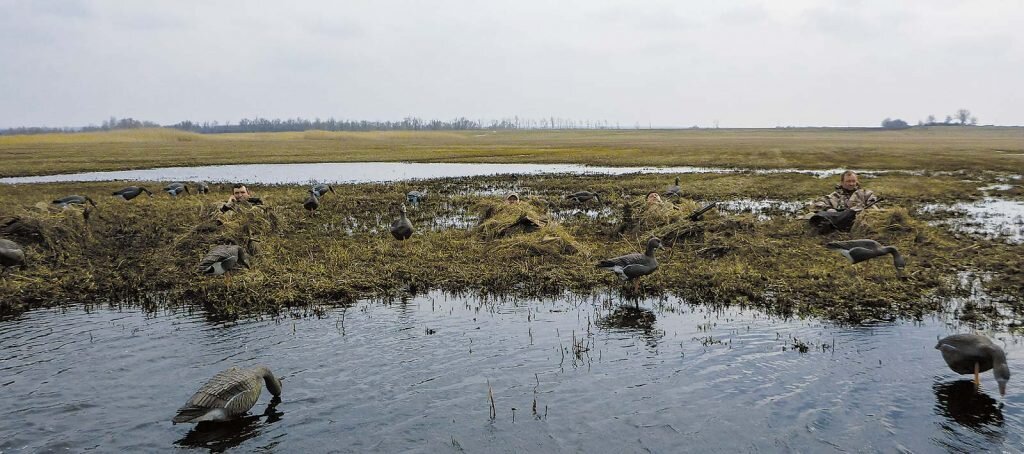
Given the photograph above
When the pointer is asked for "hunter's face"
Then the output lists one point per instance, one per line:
(850, 182)
(241, 193)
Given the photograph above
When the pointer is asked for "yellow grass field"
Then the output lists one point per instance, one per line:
(933, 148)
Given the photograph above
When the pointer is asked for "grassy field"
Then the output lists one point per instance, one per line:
(146, 250)
(934, 148)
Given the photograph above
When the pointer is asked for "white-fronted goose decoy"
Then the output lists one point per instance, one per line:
(222, 259)
(131, 192)
(228, 395)
(202, 188)
(860, 250)
(175, 189)
(11, 255)
(73, 200)
(402, 229)
(322, 189)
(672, 191)
(974, 354)
(584, 196)
(415, 197)
(631, 266)
(312, 202)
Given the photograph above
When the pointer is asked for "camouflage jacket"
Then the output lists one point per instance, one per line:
(842, 199)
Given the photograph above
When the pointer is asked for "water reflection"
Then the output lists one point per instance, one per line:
(962, 403)
(368, 172)
(219, 437)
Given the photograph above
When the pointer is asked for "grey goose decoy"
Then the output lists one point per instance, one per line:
(131, 192)
(322, 189)
(73, 200)
(312, 202)
(11, 255)
(222, 259)
(860, 250)
(584, 196)
(631, 266)
(415, 197)
(175, 189)
(228, 395)
(402, 229)
(974, 354)
(673, 191)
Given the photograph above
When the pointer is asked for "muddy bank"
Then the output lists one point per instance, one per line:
(147, 250)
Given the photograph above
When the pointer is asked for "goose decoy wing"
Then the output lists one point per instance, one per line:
(401, 228)
(627, 266)
(228, 394)
(219, 260)
(962, 351)
(850, 244)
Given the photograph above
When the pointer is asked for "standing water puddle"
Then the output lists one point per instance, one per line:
(990, 217)
(579, 376)
(375, 172)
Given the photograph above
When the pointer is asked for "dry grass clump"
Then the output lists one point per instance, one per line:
(524, 226)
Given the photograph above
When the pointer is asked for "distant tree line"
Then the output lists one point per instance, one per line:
(300, 124)
(962, 117)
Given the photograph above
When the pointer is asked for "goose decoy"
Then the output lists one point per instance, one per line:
(63, 202)
(322, 189)
(860, 250)
(401, 229)
(631, 266)
(11, 255)
(312, 202)
(974, 353)
(222, 259)
(228, 395)
(415, 197)
(673, 191)
(131, 192)
(584, 196)
(202, 188)
(174, 189)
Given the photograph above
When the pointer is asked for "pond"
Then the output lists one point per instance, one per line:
(578, 375)
(372, 172)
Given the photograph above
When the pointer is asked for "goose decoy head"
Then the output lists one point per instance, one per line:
(402, 210)
(677, 181)
(1002, 373)
(146, 191)
(654, 243)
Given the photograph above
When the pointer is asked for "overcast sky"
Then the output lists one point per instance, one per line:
(667, 63)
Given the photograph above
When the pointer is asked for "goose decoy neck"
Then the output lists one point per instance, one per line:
(897, 259)
(677, 181)
(90, 200)
(273, 383)
(999, 367)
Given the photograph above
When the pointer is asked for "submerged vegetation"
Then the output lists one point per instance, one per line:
(147, 249)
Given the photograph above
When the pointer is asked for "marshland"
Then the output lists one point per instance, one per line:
(748, 317)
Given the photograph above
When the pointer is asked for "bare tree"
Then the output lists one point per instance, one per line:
(930, 120)
(963, 115)
(974, 121)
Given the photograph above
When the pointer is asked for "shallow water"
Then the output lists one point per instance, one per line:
(991, 217)
(373, 172)
(414, 376)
